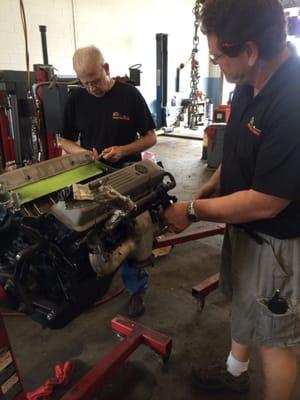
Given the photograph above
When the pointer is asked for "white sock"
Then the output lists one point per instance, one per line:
(235, 367)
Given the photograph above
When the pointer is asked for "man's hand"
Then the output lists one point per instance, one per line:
(175, 217)
(94, 153)
(113, 153)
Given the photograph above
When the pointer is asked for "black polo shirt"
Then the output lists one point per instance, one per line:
(262, 147)
(115, 119)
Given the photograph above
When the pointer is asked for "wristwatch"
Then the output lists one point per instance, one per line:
(190, 212)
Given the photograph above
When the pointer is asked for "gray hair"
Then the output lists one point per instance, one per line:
(85, 56)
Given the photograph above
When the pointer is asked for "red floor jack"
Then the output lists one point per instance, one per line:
(135, 334)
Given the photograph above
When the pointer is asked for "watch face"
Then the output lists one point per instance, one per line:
(192, 217)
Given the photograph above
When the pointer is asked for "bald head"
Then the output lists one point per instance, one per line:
(86, 58)
(92, 70)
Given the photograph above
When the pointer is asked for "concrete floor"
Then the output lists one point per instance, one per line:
(198, 338)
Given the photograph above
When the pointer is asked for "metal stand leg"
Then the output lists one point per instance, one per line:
(171, 240)
(201, 290)
(136, 334)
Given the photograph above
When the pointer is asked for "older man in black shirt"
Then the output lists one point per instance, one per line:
(112, 120)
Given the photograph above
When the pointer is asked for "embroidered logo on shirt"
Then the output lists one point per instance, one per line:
(117, 115)
(253, 128)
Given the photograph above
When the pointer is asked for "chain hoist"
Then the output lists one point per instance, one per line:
(194, 114)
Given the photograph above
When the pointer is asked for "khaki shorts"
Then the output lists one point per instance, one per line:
(250, 274)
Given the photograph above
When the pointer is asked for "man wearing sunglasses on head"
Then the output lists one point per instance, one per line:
(112, 120)
(256, 192)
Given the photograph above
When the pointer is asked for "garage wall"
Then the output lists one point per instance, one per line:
(126, 33)
(124, 30)
(56, 14)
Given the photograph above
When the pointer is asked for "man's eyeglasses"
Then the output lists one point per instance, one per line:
(214, 58)
(232, 50)
(93, 83)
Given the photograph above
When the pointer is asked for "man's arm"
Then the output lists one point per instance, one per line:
(116, 153)
(69, 146)
(73, 147)
(237, 208)
(240, 207)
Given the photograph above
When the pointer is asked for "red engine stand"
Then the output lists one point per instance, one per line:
(136, 334)
(171, 240)
(202, 289)
(11, 387)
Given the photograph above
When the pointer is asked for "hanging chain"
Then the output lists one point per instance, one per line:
(193, 111)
